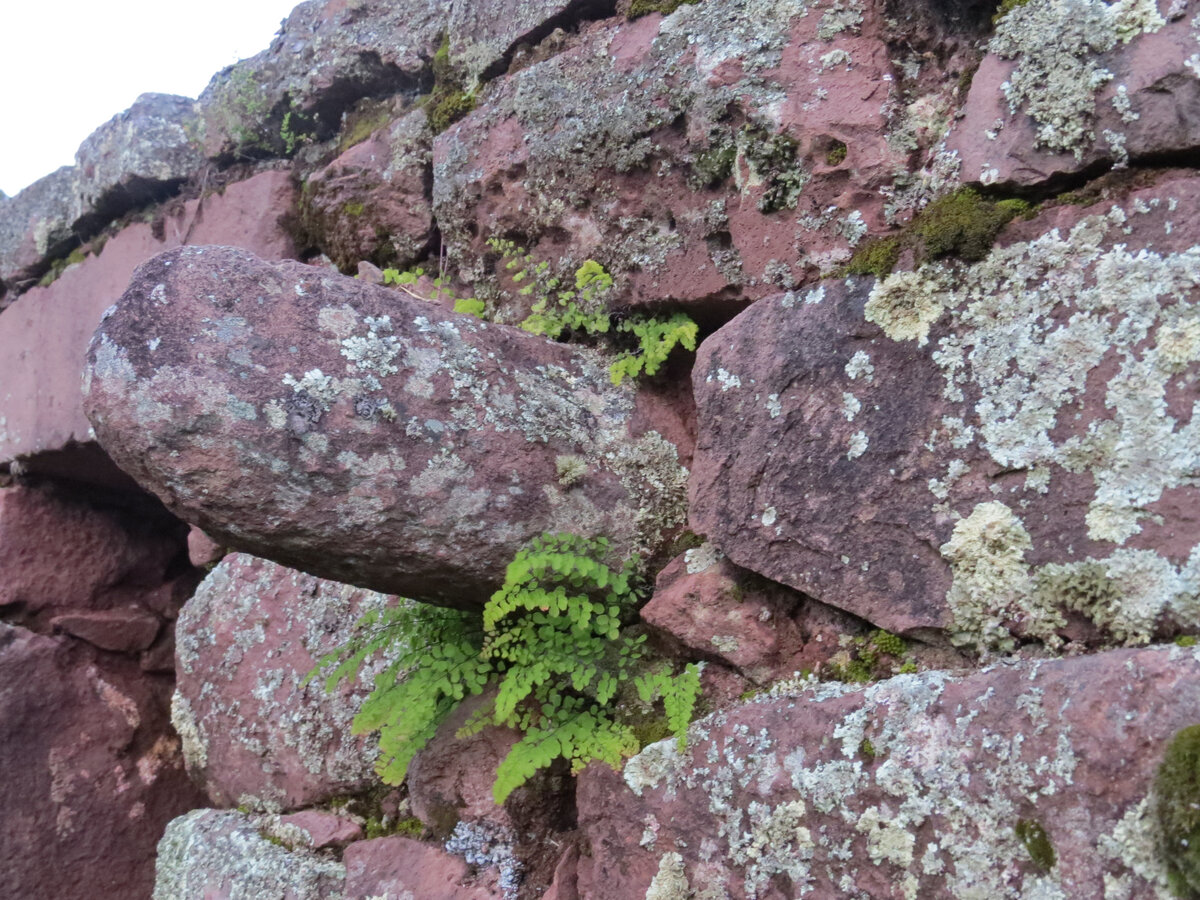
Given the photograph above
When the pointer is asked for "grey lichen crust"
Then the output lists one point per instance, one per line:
(929, 811)
(209, 852)
(1056, 43)
(280, 716)
(1025, 331)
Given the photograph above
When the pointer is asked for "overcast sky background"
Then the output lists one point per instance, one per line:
(68, 66)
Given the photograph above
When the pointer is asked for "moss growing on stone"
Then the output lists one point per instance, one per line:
(877, 257)
(714, 165)
(639, 8)
(836, 155)
(58, 266)
(449, 101)
(1037, 842)
(773, 160)
(1185, 640)
(964, 224)
(1177, 789)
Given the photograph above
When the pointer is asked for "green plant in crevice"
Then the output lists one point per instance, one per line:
(443, 291)
(449, 101)
(879, 654)
(560, 309)
(639, 8)
(291, 135)
(1037, 843)
(552, 641)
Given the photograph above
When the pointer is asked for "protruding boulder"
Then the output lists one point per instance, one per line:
(364, 435)
(1030, 779)
(403, 867)
(254, 733)
(1002, 450)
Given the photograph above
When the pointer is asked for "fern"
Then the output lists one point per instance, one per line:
(409, 280)
(584, 311)
(553, 642)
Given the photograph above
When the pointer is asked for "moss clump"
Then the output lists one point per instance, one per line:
(1037, 843)
(877, 257)
(836, 154)
(964, 224)
(639, 8)
(58, 266)
(1005, 8)
(714, 165)
(366, 118)
(1177, 790)
(869, 658)
(353, 209)
(1185, 640)
(888, 643)
(867, 750)
(448, 101)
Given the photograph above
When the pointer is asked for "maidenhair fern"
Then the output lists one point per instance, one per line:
(559, 309)
(553, 642)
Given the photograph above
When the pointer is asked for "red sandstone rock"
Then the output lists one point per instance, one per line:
(93, 568)
(719, 611)
(723, 151)
(92, 774)
(1006, 464)
(372, 438)
(203, 550)
(400, 866)
(324, 830)
(254, 734)
(120, 630)
(370, 202)
(44, 335)
(911, 787)
(1068, 87)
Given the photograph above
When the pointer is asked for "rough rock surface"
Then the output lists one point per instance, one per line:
(62, 556)
(721, 612)
(36, 224)
(740, 144)
(374, 438)
(140, 155)
(370, 203)
(402, 867)
(913, 787)
(254, 734)
(91, 775)
(964, 447)
(1072, 86)
(44, 335)
(212, 854)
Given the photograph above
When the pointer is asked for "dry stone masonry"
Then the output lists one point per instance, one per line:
(921, 506)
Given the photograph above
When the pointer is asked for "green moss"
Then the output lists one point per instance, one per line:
(964, 224)
(714, 165)
(1037, 843)
(886, 642)
(366, 118)
(1177, 792)
(353, 209)
(836, 155)
(877, 257)
(58, 266)
(639, 8)
(384, 827)
(651, 730)
(867, 750)
(1005, 7)
(448, 102)
(1185, 640)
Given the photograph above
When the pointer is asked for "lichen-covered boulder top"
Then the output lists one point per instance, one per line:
(363, 435)
(1000, 449)
(914, 788)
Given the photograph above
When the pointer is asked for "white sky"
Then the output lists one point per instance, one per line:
(68, 66)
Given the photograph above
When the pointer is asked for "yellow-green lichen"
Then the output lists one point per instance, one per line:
(906, 304)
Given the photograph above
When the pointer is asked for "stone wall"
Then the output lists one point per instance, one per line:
(922, 501)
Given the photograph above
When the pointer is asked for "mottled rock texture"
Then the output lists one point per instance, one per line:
(370, 203)
(212, 854)
(92, 773)
(402, 867)
(373, 438)
(1000, 449)
(254, 734)
(1069, 86)
(722, 151)
(44, 335)
(910, 788)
